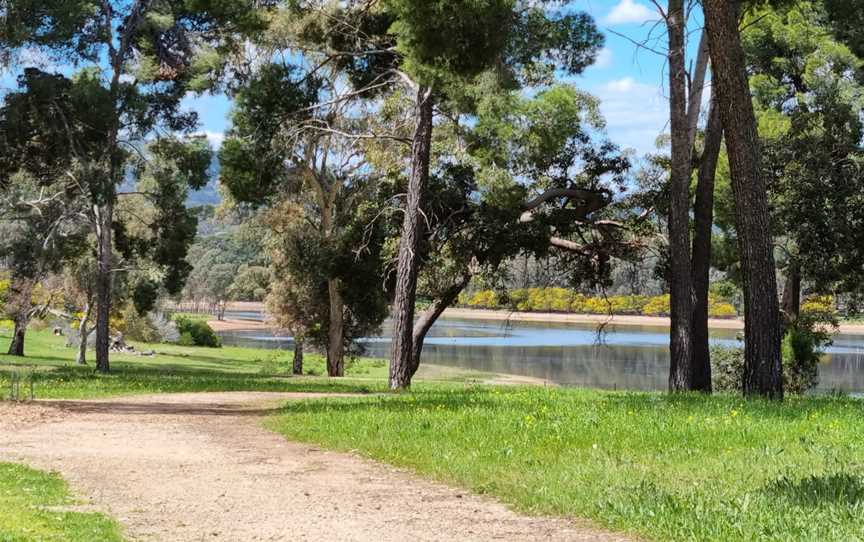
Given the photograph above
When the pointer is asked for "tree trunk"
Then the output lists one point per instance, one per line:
(297, 367)
(792, 292)
(762, 365)
(20, 307)
(83, 335)
(703, 220)
(428, 318)
(336, 331)
(412, 228)
(104, 215)
(16, 346)
(680, 279)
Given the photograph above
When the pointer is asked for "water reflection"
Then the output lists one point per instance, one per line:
(616, 357)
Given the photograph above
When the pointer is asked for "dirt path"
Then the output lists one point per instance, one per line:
(193, 467)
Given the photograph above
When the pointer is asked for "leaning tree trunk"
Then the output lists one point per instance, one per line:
(21, 307)
(297, 366)
(430, 316)
(406, 272)
(104, 216)
(336, 331)
(703, 221)
(680, 276)
(16, 346)
(762, 363)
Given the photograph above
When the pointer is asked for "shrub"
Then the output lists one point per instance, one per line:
(721, 309)
(186, 339)
(484, 299)
(200, 333)
(727, 368)
(657, 306)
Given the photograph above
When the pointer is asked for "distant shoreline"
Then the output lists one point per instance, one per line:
(513, 316)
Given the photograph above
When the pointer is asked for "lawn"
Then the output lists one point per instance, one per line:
(665, 468)
(173, 369)
(36, 506)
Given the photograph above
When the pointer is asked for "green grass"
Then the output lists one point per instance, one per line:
(663, 467)
(174, 369)
(34, 507)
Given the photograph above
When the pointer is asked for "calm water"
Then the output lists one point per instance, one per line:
(622, 357)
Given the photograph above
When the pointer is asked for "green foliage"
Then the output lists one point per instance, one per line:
(657, 466)
(727, 369)
(33, 505)
(570, 301)
(200, 333)
(438, 38)
(808, 101)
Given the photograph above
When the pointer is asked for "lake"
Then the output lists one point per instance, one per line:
(619, 357)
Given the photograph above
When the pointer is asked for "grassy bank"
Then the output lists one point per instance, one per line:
(667, 468)
(36, 506)
(174, 369)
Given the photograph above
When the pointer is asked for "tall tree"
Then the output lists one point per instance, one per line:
(143, 56)
(430, 49)
(682, 294)
(762, 369)
(292, 142)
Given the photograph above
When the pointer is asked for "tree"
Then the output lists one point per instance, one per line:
(141, 59)
(808, 103)
(523, 175)
(432, 49)
(41, 208)
(763, 370)
(292, 142)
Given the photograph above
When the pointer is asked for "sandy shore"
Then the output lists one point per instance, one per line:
(537, 317)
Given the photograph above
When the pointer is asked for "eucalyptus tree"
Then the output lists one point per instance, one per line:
(529, 176)
(809, 95)
(41, 204)
(431, 49)
(297, 149)
(762, 366)
(141, 57)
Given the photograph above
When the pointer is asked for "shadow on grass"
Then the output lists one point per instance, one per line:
(828, 489)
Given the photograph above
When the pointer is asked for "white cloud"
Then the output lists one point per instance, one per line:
(604, 58)
(628, 11)
(215, 138)
(635, 112)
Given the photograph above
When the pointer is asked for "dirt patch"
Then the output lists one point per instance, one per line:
(192, 467)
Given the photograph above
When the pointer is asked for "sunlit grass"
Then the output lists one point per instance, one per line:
(667, 468)
(173, 368)
(34, 507)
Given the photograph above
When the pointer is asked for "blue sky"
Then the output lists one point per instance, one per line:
(629, 81)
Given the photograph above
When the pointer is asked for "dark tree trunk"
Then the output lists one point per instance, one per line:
(406, 273)
(703, 221)
(297, 367)
(428, 318)
(792, 292)
(16, 347)
(680, 279)
(20, 307)
(762, 365)
(103, 286)
(336, 331)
